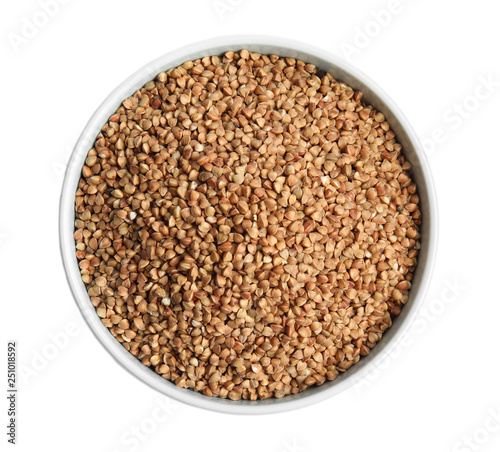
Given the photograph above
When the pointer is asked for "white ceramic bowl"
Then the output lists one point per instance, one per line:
(373, 95)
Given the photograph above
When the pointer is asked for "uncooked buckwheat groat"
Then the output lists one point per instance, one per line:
(246, 228)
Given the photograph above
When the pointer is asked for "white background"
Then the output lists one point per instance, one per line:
(431, 57)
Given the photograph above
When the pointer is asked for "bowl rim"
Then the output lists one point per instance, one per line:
(67, 244)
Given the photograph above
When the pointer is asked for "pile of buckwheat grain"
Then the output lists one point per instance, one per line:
(246, 226)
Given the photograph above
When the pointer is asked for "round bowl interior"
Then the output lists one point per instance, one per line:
(340, 71)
